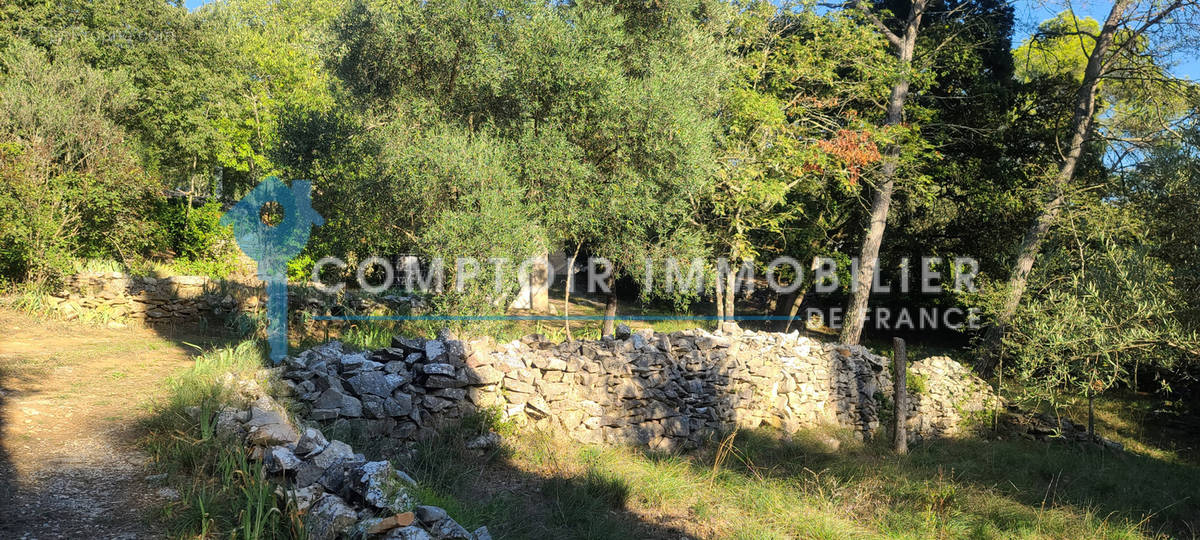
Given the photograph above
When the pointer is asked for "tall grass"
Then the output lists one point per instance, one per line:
(224, 493)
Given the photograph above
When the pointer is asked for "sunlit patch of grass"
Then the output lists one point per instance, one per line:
(369, 335)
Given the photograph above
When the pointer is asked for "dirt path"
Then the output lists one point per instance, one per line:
(70, 397)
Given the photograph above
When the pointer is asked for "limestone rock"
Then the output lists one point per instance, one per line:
(333, 399)
(303, 498)
(373, 382)
(272, 434)
(334, 452)
(329, 517)
(429, 514)
(279, 459)
(435, 351)
(411, 532)
(311, 442)
(443, 369)
(448, 529)
(376, 482)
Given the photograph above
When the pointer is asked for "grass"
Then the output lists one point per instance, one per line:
(761, 486)
(35, 300)
(224, 493)
(220, 268)
(1143, 423)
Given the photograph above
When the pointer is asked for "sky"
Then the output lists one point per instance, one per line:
(1029, 14)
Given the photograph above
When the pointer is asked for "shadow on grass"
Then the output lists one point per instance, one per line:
(981, 488)
(496, 487)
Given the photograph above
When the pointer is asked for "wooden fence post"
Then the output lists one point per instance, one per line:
(900, 395)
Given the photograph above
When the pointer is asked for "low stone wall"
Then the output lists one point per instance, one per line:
(665, 391)
(950, 397)
(156, 300)
(177, 299)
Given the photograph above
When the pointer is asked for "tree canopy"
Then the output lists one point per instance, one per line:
(742, 131)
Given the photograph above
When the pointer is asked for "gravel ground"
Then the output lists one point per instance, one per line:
(70, 398)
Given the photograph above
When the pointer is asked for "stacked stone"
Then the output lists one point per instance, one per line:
(396, 391)
(665, 391)
(339, 492)
(178, 299)
(946, 400)
(1051, 428)
(675, 390)
(170, 299)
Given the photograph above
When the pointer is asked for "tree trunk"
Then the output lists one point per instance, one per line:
(785, 310)
(610, 309)
(570, 283)
(1081, 124)
(1092, 414)
(869, 258)
(801, 294)
(730, 291)
(539, 285)
(719, 299)
(900, 393)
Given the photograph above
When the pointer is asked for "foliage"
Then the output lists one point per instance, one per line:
(481, 133)
(1136, 101)
(276, 65)
(796, 142)
(70, 183)
(194, 233)
(1164, 189)
(915, 383)
(1102, 305)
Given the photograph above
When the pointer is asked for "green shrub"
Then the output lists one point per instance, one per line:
(195, 233)
(70, 186)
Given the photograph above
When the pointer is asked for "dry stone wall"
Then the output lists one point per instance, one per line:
(177, 299)
(948, 398)
(155, 300)
(665, 391)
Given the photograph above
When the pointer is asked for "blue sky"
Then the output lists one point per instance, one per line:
(1029, 14)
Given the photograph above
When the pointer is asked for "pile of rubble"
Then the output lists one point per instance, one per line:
(666, 391)
(339, 492)
(1048, 427)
